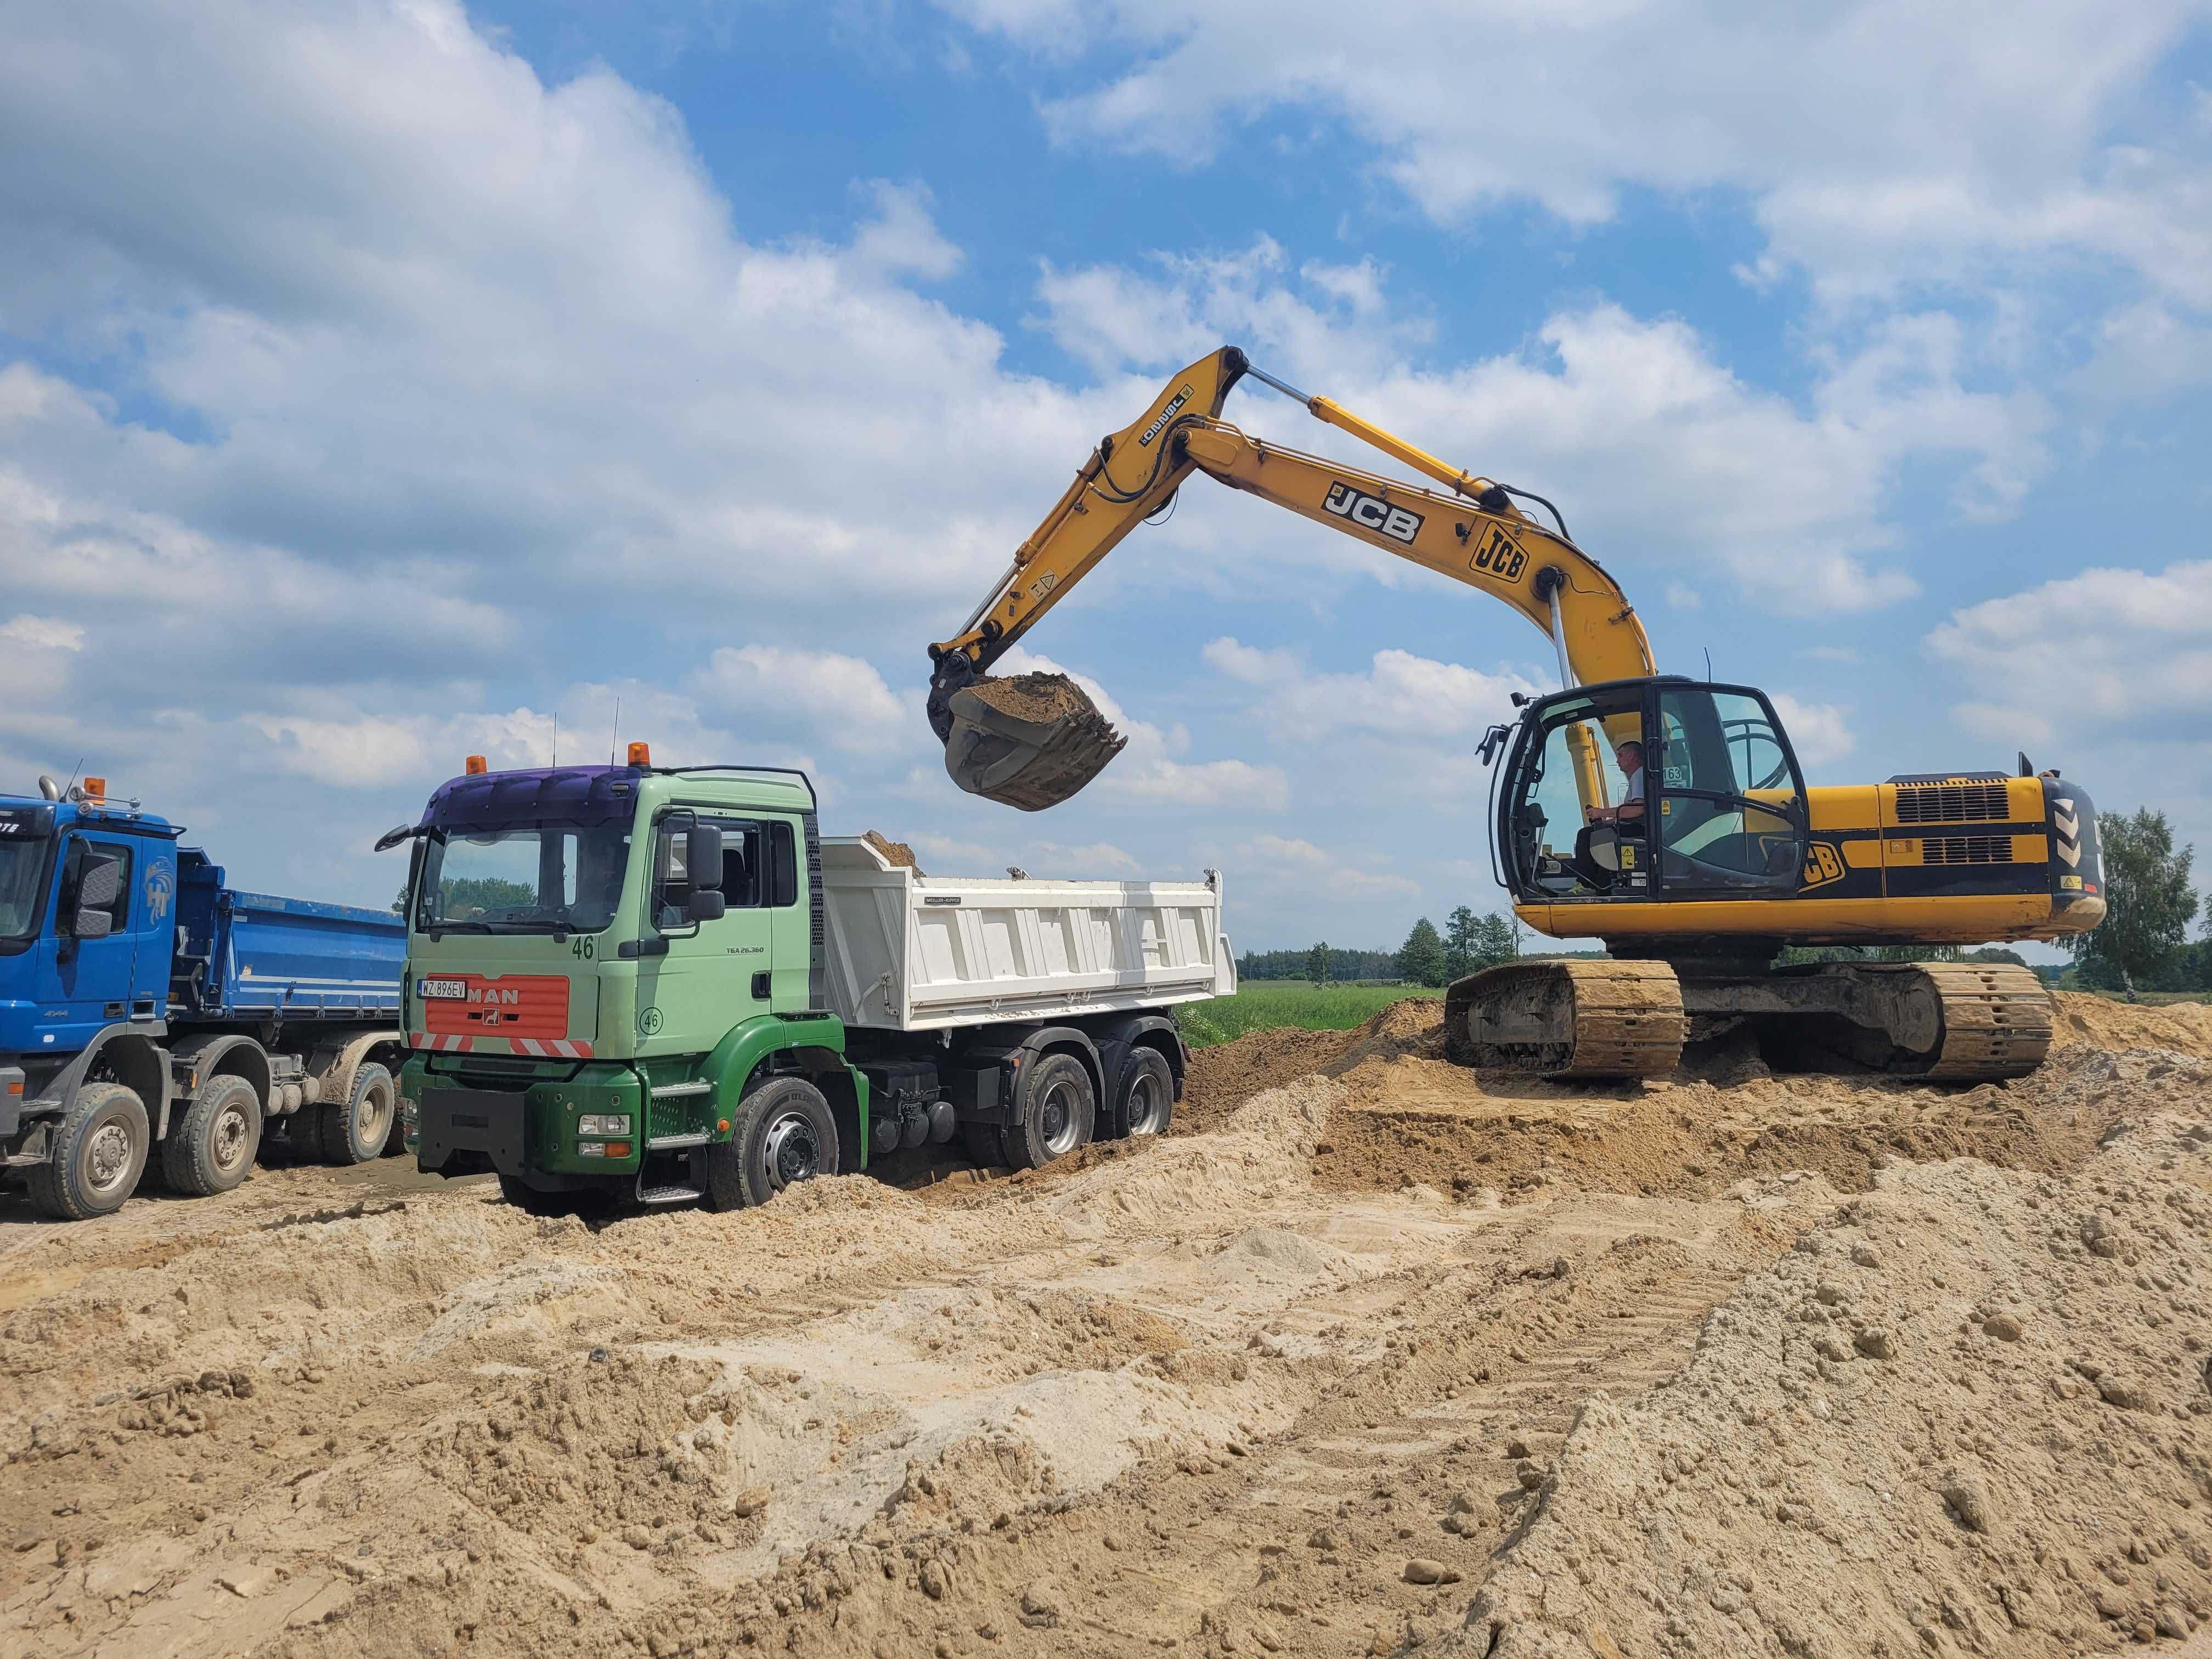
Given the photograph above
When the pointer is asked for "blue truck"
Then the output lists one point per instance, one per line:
(150, 1013)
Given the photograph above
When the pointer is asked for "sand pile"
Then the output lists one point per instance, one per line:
(1379, 1348)
(1969, 1415)
(896, 853)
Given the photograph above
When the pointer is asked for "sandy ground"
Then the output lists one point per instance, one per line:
(1373, 1355)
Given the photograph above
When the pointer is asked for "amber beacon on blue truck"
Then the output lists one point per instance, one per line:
(150, 1012)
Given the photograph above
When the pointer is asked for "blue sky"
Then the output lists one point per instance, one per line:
(380, 382)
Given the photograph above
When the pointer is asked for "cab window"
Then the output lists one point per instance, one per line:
(1731, 811)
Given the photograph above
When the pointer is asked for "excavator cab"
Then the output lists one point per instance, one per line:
(1648, 790)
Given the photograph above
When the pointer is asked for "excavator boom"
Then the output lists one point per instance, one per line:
(1033, 746)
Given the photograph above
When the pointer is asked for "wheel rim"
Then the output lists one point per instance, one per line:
(791, 1151)
(372, 1117)
(230, 1142)
(1145, 1098)
(1056, 1118)
(106, 1158)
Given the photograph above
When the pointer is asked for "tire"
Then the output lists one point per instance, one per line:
(1056, 1110)
(100, 1149)
(1147, 1105)
(210, 1147)
(987, 1147)
(785, 1133)
(356, 1129)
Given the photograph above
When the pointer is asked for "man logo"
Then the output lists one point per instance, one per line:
(1823, 863)
(1373, 512)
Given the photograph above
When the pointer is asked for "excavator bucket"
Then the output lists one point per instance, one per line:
(1029, 741)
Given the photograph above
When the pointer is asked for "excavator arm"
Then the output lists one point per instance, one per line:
(1031, 753)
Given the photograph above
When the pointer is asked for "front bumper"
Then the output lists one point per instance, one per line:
(524, 1130)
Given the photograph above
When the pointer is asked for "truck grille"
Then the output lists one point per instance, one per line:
(1966, 849)
(1953, 803)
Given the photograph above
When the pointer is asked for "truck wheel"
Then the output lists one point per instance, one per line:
(785, 1133)
(986, 1145)
(210, 1147)
(353, 1131)
(1147, 1102)
(1056, 1108)
(100, 1149)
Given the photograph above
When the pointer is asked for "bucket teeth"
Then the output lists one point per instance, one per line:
(1030, 764)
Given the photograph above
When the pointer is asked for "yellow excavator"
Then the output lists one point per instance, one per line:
(1667, 817)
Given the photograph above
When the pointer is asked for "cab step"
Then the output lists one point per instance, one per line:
(674, 1195)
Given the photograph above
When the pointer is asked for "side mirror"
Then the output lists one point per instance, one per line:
(96, 891)
(705, 904)
(702, 859)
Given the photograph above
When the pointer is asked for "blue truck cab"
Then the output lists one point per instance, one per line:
(151, 1013)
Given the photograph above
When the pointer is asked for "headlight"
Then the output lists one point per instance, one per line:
(602, 1123)
(602, 1149)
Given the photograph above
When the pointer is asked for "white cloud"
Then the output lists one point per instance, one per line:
(43, 632)
(2106, 647)
(1330, 876)
(1819, 731)
(841, 697)
(1403, 697)
(1879, 142)
(1683, 597)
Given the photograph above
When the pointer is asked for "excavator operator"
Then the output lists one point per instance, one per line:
(1629, 757)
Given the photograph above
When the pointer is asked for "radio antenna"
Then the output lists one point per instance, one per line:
(556, 736)
(614, 741)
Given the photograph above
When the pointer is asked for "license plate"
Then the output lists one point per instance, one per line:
(441, 990)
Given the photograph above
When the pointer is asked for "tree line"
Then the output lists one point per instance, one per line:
(1427, 957)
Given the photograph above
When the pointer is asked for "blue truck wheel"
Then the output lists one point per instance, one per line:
(210, 1147)
(100, 1151)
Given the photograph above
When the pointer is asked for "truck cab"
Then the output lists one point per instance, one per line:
(600, 960)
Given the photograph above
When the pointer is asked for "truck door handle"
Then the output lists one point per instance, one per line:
(760, 987)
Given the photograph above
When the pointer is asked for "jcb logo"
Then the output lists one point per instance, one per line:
(1823, 863)
(1373, 512)
(1499, 556)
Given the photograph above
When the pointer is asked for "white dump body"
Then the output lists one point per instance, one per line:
(910, 952)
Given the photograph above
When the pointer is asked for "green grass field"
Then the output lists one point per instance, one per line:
(1266, 1003)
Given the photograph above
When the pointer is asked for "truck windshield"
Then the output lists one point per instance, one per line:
(525, 880)
(22, 870)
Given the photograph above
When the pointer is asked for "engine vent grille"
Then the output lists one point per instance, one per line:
(1966, 849)
(1953, 803)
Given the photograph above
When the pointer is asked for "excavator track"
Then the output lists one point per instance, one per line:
(1995, 1020)
(1568, 1020)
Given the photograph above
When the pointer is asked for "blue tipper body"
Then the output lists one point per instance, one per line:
(239, 954)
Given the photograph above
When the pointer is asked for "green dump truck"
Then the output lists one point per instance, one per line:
(665, 984)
